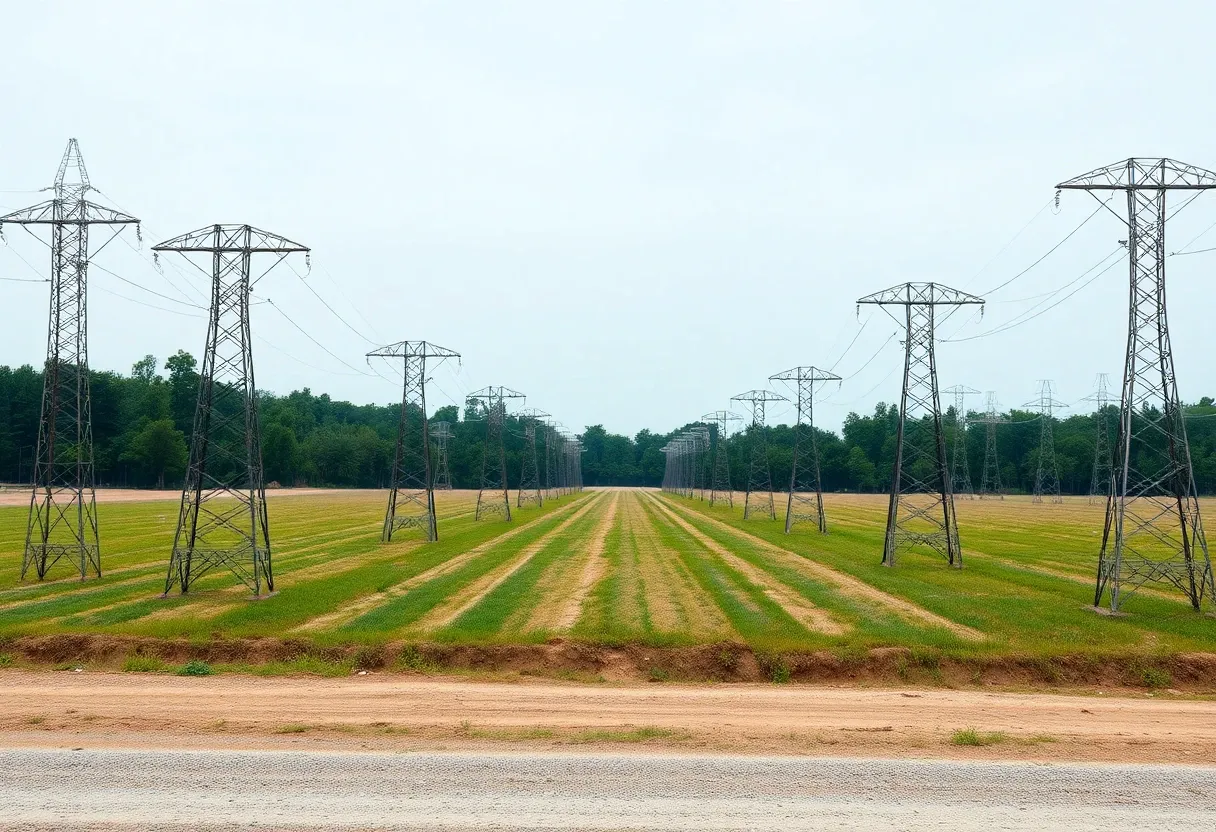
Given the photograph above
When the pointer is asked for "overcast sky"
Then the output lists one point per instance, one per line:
(627, 211)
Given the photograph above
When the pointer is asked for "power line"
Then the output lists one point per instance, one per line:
(304, 332)
(332, 311)
(149, 305)
(146, 289)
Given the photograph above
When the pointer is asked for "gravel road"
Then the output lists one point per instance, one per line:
(214, 790)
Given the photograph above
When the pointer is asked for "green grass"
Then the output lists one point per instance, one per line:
(972, 737)
(195, 668)
(628, 735)
(1026, 586)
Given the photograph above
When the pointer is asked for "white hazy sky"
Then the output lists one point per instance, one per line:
(628, 211)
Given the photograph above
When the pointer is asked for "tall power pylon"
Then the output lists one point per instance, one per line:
(554, 481)
(411, 496)
(805, 500)
(990, 479)
(63, 503)
(529, 476)
(1153, 531)
(721, 489)
(441, 432)
(492, 497)
(759, 476)
(921, 510)
(704, 472)
(960, 467)
(1101, 482)
(1047, 478)
(223, 520)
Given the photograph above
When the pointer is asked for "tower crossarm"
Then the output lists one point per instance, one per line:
(758, 399)
(1143, 174)
(804, 374)
(921, 294)
(413, 349)
(230, 238)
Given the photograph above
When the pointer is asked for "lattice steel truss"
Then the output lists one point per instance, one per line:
(759, 494)
(492, 497)
(1047, 477)
(1103, 471)
(529, 477)
(1153, 531)
(721, 488)
(223, 519)
(441, 432)
(960, 467)
(805, 500)
(921, 509)
(411, 496)
(990, 478)
(63, 503)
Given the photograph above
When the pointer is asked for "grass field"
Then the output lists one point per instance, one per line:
(617, 567)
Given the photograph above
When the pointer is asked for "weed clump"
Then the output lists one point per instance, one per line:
(412, 658)
(195, 668)
(972, 737)
(142, 664)
(369, 657)
(6, 660)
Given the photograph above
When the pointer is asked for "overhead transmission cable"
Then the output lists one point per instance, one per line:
(305, 333)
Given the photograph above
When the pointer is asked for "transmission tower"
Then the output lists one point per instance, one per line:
(63, 503)
(411, 497)
(921, 510)
(223, 519)
(1102, 481)
(805, 502)
(721, 489)
(703, 472)
(1047, 478)
(441, 432)
(492, 498)
(1153, 532)
(759, 476)
(960, 468)
(990, 480)
(554, 456)
(529, 477)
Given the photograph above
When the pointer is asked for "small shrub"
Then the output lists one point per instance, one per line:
(970, 736)
(728, 660)
(658, 674)
(195, 668)
(293, 728)
(369, 657)
(142, 664)
(413, 659)
(1155, 677)
(68, 666)
(6, 660)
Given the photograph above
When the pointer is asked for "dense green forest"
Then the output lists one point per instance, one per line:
(141, 422)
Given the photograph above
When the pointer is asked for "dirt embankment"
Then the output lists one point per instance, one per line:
(723, 662)
(394, 712)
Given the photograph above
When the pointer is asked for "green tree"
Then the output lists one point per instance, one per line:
(159, 449)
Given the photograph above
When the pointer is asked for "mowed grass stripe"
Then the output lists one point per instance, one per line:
(564, 587)
(844, 583)
(798, 605)
(485, 610)
(756, 617)
(397, 608)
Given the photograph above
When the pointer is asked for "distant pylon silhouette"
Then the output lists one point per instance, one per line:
(759, 495)
(441, 432)
(529, 477)
(492, 497)
(1047, 478)
(805, 500)
(1102, 480)
(721, 489)
(960, 469)
(990, 480)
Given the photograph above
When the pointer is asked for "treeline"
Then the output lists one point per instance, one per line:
(142, 422)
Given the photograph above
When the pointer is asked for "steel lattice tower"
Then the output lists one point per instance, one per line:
(529, 476)
(441, 432)
(1100, 482)
(223, 519)
(990, 479)
(805, 502)
(759, 476)
(960, 467)
(721, 488)
(411, 496)
(1153, 531)
(492, 497)
(554, 482)
(1047, 478)
(63, 502)
(921, 510)
(703, 472)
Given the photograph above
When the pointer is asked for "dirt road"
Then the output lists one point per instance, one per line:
(388, 712)
(213, 790)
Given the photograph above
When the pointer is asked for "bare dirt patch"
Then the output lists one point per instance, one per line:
(379, 711)
(562, 616)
